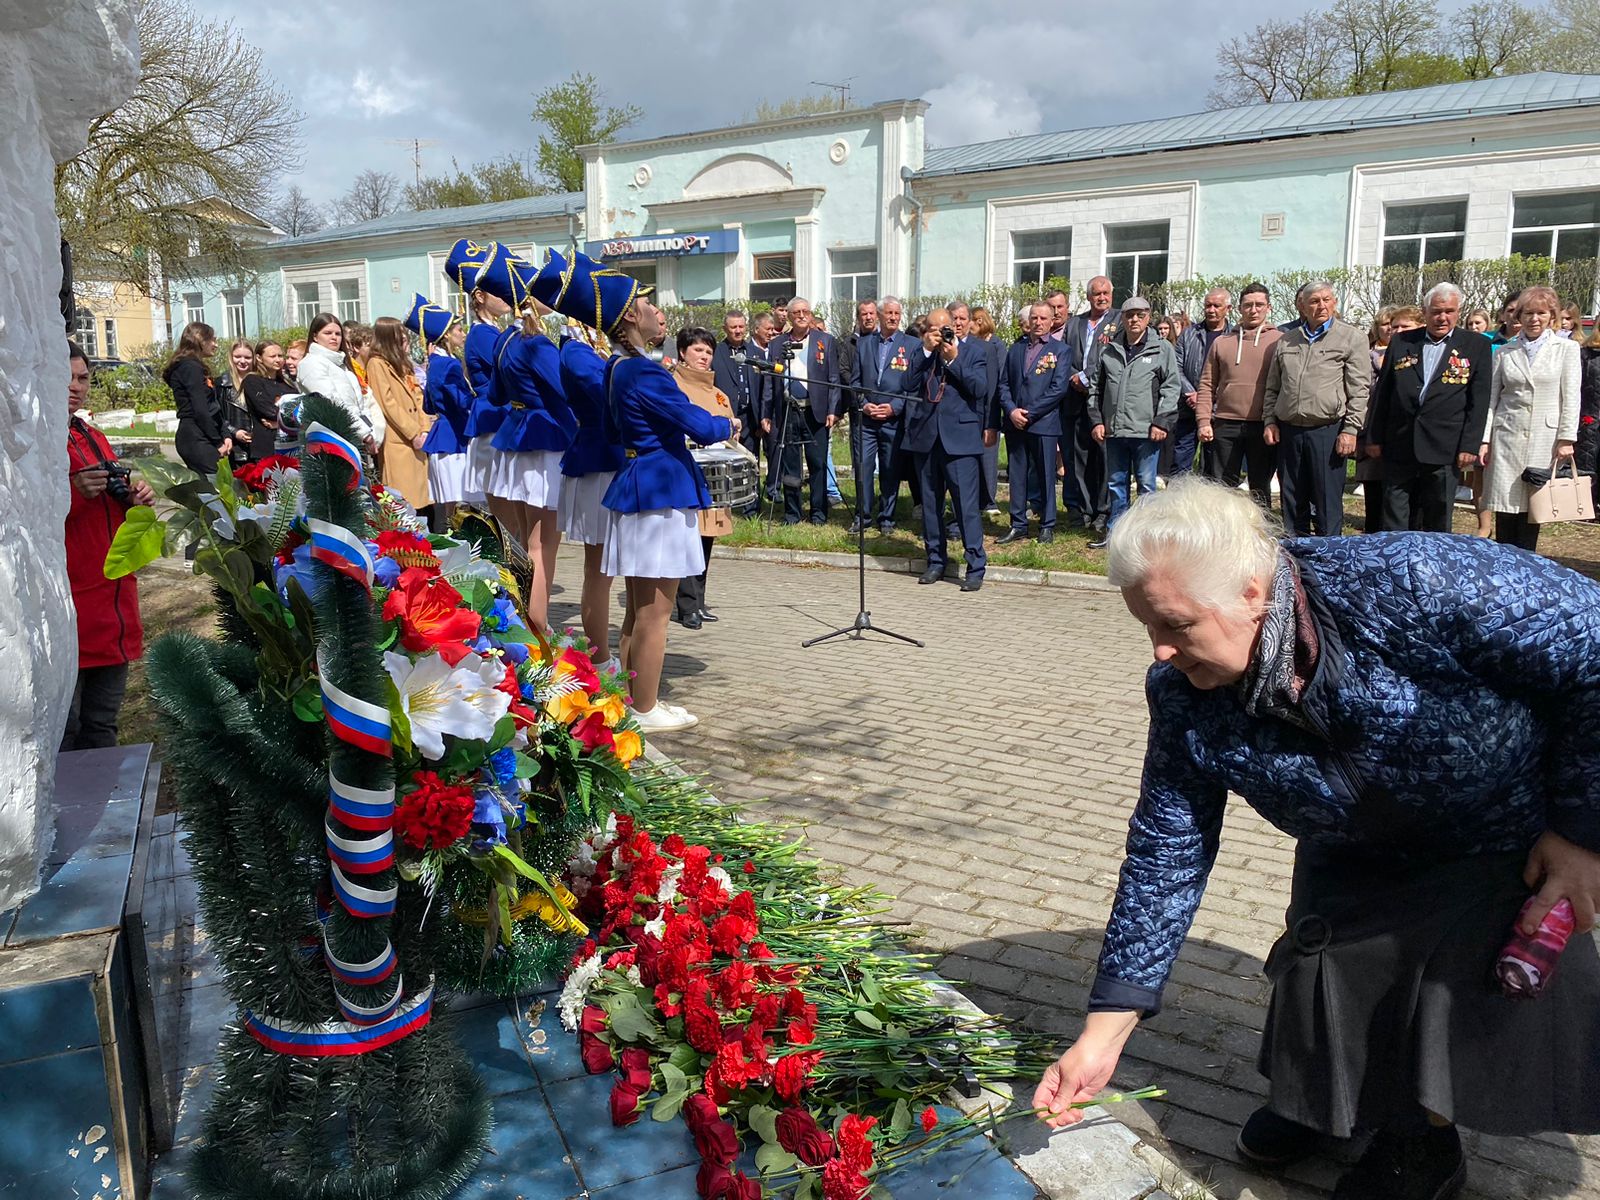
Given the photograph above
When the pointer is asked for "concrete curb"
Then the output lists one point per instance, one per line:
(1098, 1159)
(913, 566)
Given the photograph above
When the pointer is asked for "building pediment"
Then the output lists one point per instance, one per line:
(738, 175)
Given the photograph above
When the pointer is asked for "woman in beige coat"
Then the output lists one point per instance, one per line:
(395, 392)
(695, 380)
(1533, 414)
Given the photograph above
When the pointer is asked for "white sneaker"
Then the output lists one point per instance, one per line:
(612, 666)
(665, 718)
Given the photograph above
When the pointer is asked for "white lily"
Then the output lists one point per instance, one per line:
(460, 561)
(227, 527)
(439, 699)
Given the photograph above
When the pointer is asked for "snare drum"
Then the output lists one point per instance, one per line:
(730, 473)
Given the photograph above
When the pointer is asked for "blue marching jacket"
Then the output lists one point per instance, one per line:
(652, 418)
(1456, 702)
(583, 378)
(484, 343)
(527, 382)
(448, 397)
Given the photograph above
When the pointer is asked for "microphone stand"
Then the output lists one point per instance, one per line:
(863, 623)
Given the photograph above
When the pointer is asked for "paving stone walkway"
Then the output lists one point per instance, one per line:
(987, 780)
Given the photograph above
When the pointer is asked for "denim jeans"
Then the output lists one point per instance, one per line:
(1125, 457)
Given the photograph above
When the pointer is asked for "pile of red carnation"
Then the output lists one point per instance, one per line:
(725, 1034)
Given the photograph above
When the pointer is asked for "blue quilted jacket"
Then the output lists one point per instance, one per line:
(1457, 706)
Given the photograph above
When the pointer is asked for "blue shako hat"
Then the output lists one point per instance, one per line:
(428, 320)
(507, 276)
(588, 292)
(466, 261)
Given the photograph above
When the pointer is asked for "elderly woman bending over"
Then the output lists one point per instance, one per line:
(1420, 713)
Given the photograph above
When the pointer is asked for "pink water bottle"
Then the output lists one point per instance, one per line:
(1527, 964)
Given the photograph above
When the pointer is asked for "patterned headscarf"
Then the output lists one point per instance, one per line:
(1286, 651)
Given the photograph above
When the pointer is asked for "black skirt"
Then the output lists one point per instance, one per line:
(1383, 999)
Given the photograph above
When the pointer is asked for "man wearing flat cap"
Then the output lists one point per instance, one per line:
(1133, 402)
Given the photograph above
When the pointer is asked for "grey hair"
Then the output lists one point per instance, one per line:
(1215, 539)
(1311, 288)
(1442, 290)
(882, 300)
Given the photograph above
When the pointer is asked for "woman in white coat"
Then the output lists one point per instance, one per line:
(1533, 413)
(326, 370)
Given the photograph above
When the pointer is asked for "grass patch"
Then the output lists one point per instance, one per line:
(138, 429)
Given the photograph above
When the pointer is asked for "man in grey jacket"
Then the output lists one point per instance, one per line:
(1133, 402)
(1318, 377)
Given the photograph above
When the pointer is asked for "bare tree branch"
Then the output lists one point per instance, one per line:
(294, 213)
(374, 194)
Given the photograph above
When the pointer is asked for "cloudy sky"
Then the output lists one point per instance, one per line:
(368, 73)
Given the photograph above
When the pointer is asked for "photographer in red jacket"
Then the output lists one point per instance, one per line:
(109, 633)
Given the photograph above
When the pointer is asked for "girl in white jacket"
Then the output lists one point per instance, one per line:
(326, 370)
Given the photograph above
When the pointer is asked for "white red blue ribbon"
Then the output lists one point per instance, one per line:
(360, 808)
(357, 1014)
(363, 903)
(319, 439)
(375, 970)
(336, 547)
(363, 725)
(360, 856)
(329, 1039)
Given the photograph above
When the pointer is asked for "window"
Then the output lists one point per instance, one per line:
(644, 272)
(347, 300)
(1415, 235)
(233, 312)
(1136, 257)
(111, 337)
(306, 305)
(853, 274)
(87, 338)
(774, 277)
(454, 298)
(1562, 227)
(194, 307)
(1041, 255)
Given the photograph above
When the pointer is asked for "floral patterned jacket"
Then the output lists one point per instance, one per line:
(1456, 709)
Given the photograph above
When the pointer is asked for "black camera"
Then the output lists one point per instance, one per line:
(947, 335)
(118, 486)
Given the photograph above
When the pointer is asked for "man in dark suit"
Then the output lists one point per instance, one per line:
(803, 408)
(733, 370)
(883, 364)
(1033, 389)
(1428, 414)
(1086, 336)
(944, 431)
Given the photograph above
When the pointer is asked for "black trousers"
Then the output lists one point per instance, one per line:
(1088, 466)
(1237, 448)
(960, 474)
(1311, 479)
(1514, 529)
(1419, 496)
(753, 440)
(96, 702)
(692, 588)
(809, 437)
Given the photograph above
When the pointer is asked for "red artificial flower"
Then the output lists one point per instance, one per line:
(431, 615)
(625, 1105)
(715, 1139)
(408, 549)
(254, 475)
(841, 1181)
(801, 1136)
(930, 1118)
(636, 1068)
(435, 815)
(716, 1182)
(592, 734)
(793, 1072)
(597, 1056)
(855, 1147)
(581, 667)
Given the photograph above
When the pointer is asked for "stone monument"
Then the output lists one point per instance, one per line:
(62, 63)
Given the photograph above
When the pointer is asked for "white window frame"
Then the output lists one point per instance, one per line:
(87, 332)
(1038, 261)
(305, 311)
(1554, 231)
(1423, 238)
(1138, 256)
(233, 312)
(347, 308)
(857, 294)
(111, 346)
(194, 308)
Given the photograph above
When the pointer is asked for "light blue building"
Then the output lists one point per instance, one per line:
(848, 205)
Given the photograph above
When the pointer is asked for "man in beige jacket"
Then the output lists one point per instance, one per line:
(1318, 377)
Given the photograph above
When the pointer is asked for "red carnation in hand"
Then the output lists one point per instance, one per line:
(430, 614)
(435, 815)
(841, 1181)
(625, 1104)
(716, 1182)
(801, 1136)
(930, 1118)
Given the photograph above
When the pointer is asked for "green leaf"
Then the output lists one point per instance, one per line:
(900, 1119)
(685, 1057)
(308, 703)
(502, 900)
(138, 543)
(668, 1106)
(863, 1017)
(628, 1020)
(672, 1079)
(806, 1189)
(527, 768)
(504, 730)
(399, 723)
(226, 492)
(870, 989)
(764, 1121)
(772, 1158)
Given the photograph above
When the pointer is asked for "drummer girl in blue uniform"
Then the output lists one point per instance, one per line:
(446, 394)
(538, 427)
(464, 264)
(652, 531)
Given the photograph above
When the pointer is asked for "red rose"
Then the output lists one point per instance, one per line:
(435, 815)
(625, 1104)
(930, 1118)
(431, 613)
(841, 1181)
(597, 1056)
(594, 1017)
(592, 734)
(581, 667)
(715, 1139)
(801, 1136)
(636, 1068)
(699, 1110)
(716, 1182)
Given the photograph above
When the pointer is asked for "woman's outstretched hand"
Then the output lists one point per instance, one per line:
(1084, 1070)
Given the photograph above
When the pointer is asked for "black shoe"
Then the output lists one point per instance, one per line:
(1101, 542)
(972, 583)
(856, 527)
(886, 527)
(690, 620)
(791, 520)
(1011, 535)
(931, 575)
(816, 520)
(1274, 1141)
(1046, 536)
(707, 615)
(1101, 524)
(1426, 1165)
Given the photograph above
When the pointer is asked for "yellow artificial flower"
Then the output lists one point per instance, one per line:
(627, 746)
(611, 709)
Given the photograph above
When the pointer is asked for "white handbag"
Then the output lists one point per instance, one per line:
(1565, 498)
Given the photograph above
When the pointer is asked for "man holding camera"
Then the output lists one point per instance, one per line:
(109, 633)
(945, 414)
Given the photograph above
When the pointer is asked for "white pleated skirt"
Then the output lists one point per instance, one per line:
(480, 466)
(447, 479)
(531, 477)
(663, 543)
(582, 516)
